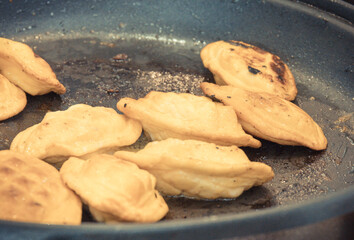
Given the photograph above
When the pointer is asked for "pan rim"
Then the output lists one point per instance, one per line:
(337, 203)
(247, 223)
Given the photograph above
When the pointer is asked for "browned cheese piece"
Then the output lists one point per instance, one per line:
(248, 67)
(115, 190)
(12, 99)
(32, 191)
(79, 131)
(25, 69)
(270, 117)
(186, 116)
(198, 169)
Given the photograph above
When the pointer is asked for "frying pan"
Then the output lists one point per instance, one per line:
(160, 42)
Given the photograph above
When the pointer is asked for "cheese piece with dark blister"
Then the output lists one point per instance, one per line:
(248, 67)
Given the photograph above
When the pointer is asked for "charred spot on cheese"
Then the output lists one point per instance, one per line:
(125, 105)
(212, 97)
(239, 44)
(6, 170)
(259, 50)
(253, 70)
(36, 204)
(278, 67)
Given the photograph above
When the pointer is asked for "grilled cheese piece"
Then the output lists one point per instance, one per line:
(25, 69)
(270, 117)
(80, 131)
(12, 99)
(115, 190)
(32, 191)
(186, 116)
(198, 169)
(248, 67)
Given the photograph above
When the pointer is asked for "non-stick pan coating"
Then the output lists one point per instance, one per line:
(158, 45)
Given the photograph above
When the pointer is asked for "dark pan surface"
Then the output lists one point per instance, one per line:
(159, 44)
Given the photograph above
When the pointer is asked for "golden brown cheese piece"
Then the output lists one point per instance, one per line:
(26, 70)
(115, 190)
(248, 67)
(198, 169)
(186, 116)
(32, 191)
(80, 130)
(12, 99)
(270, 117)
